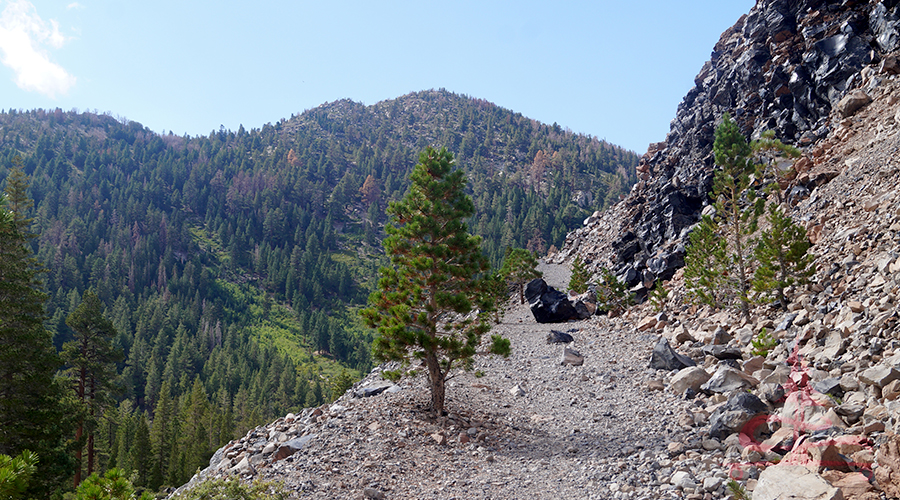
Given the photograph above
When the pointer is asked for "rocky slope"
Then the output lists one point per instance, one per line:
(782, 67)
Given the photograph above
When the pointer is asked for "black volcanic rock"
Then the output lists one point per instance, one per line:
(548, 305)
(784, 67)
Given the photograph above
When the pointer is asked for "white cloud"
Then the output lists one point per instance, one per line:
(24, 37)
(74, 5)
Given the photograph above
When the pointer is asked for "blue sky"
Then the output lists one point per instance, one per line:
(615, 70)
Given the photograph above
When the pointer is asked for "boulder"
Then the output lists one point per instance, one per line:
(852, 102)
(795, 482)
(879, 375)
(585, 304)
(373, 389)
(558, 337)
(664, 357)
(731, 417)
(887, 475)
(293, 446)
(548, 305)
(853, 485)
(691, 377)
(727, 379)
(723, 351)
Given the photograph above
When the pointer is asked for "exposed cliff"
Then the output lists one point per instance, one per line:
(782, 67)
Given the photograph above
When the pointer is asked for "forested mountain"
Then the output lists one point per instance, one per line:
(232, 265)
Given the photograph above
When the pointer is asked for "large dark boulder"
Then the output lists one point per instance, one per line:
(548, 305)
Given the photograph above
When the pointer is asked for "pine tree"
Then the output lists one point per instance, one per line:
(737, 207)
(705, 264)
(769, 149)
(580, 277)
(782, 255)
(32, 411)
(91, 359)
(519, 267)
(16, 473)
(140, 453)
(162, 437)
(613, 296)
(423, 300)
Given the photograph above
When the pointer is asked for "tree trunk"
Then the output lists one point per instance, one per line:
(78, 433)
(436, 378)
(90, 443)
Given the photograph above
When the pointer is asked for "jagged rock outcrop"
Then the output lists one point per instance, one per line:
(784, 67)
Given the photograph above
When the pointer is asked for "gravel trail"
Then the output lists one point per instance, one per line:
(590, 431)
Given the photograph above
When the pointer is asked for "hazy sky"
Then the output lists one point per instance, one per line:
(616, 70)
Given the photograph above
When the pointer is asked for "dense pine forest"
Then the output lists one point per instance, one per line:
(231, 266)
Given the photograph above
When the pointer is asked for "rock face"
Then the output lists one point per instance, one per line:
(782, 67)
(548, 305)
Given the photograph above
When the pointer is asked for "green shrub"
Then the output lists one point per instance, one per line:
(763, 343)
(234, 489)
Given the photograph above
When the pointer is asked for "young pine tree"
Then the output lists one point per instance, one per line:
(578, 281)
(424, 299)
(782, 255)
(769, 150)
(613, 296)
(519, 267)
(705, 265)
(737, 208)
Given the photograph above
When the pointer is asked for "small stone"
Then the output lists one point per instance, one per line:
(647, 323)
(675, 448)
(517, 391)
(655, 385)
(439, 438)
(710, 445)
(373, 494)
(683, 480)
(571, 357)
(879, 375)
(711, 484)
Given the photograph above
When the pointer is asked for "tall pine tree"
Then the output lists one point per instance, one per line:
(91, 359)
(32, 412)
